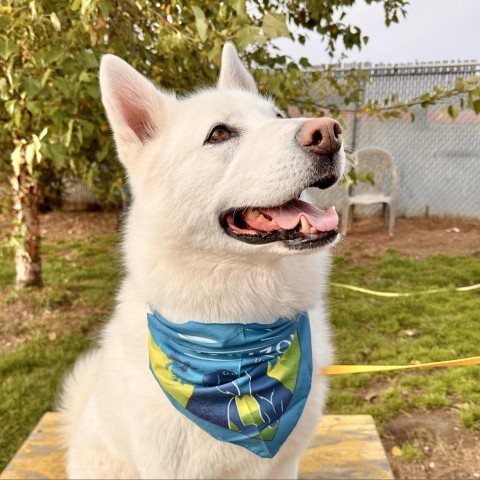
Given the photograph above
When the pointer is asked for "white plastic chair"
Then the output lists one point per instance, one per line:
(384, 190)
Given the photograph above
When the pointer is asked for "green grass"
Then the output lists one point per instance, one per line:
(81, 279)
(411, 453)
(373, 330)
(30, 379)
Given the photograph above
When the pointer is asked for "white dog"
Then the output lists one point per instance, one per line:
(216, 240)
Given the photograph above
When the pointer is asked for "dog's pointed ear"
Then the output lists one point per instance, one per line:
(135, 109)
(232, 73)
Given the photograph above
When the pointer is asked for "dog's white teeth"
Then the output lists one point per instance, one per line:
(314, 230)
(252, 214)
(330, 210)
(261, 218)
(305, 225)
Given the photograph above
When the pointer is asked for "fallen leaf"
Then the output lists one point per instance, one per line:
(370, 396)
(396, 451)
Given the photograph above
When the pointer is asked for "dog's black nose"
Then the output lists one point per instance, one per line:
(320, 136)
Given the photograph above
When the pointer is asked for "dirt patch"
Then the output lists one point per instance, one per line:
(446, 449)
(69, 225)
(417, 237)
(21, 320)
(78, 225)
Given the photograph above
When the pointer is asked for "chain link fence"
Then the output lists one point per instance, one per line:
(438, 159)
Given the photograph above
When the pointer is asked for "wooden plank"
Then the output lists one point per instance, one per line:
(41, 455)
(345, 446)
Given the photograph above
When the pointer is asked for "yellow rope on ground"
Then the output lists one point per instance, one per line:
(342, 369)
(406, 294)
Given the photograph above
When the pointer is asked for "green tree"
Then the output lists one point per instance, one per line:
(49, 112)
(52, 119)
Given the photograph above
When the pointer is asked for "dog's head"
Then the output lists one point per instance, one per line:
(221, 169)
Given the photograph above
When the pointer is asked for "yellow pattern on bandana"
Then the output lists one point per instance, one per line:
(181, 392)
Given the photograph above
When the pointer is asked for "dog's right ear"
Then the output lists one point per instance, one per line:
(135, 109)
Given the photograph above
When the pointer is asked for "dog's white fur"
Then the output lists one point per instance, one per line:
(117, 421)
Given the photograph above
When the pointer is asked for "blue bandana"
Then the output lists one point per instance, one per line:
(242, 383)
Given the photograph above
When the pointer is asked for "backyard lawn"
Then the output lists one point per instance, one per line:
(429, 419)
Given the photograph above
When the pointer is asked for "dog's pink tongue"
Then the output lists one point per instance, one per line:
(289, 215)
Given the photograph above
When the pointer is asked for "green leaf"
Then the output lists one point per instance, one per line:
(304, 62)
(76, 5)
(102, 154)
(34, 107)
(275, 25)
(32, 86)
(33, 10)
(38, 152)
(17, 117)
(84, 77)
(453, 111)
(57, 154)
(37, 142)
(16, 158)
(86, 6)
(29, 156)
(248, 35)
(87, 128)
(45, 76)
(68, 138)
(46, 57)
(476, 106)
(43, 133)
(7, 47)
(66, 87)
(88, 60)
(55, 22)
(200, 23)
(93, 90)
(10, 107)
(215, 52)
(4, 93)
(106, 6)
(241, 9)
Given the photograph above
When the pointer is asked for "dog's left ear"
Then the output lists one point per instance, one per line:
(233, 74)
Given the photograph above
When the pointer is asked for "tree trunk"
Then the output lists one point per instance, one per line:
(26, 195)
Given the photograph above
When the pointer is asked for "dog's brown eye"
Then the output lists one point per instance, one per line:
(219, 134)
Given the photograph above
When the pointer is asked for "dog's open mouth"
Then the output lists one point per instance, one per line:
(297, 224)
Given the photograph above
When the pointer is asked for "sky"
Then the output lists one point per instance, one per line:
(433, 30)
